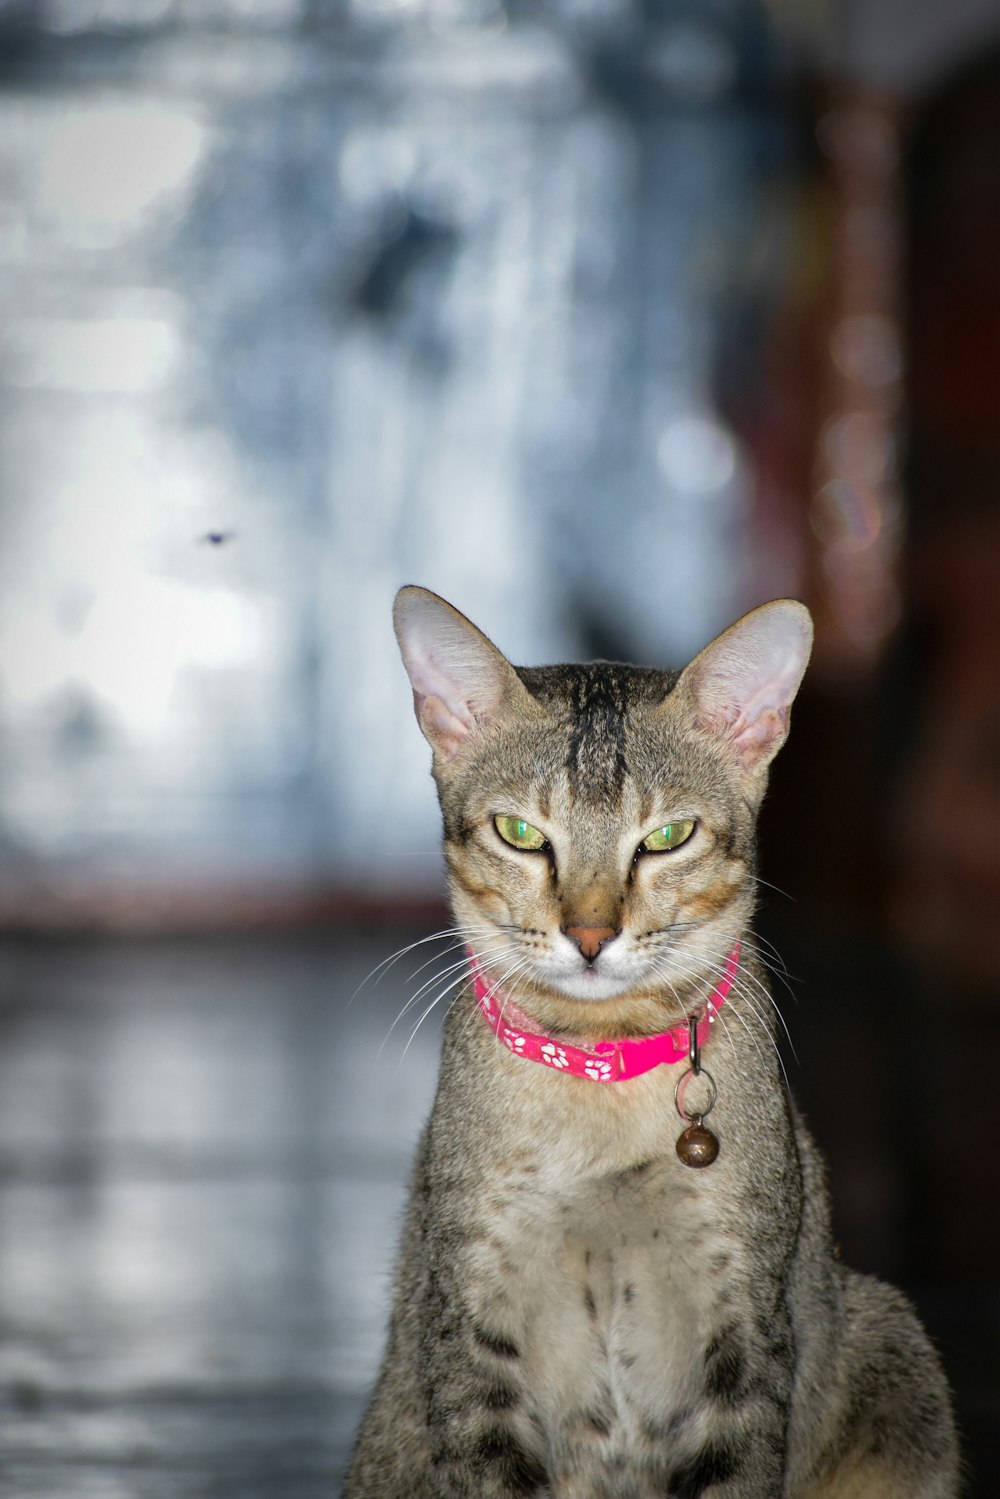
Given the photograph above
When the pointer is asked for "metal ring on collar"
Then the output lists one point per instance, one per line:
(681, 1088)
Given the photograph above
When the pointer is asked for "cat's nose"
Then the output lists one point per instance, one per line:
(590, 939)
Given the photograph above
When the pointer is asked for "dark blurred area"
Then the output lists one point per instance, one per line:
(606, 319)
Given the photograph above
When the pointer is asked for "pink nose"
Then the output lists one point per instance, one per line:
(590, 939)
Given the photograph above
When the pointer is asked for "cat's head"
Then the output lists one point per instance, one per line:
(599, 820)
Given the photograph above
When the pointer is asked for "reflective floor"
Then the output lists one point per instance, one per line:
(203, 1152)
(201, 1163)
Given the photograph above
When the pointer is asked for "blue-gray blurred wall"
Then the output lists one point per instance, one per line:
(305, 301)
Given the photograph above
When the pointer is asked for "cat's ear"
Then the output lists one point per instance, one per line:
(460, 681)
(743, 684)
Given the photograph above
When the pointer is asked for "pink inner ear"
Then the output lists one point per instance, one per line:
(460, 680)
(746, 680)
(440, 724)
(754, 721)
(761, 737)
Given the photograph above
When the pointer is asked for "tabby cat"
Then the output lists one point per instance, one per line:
(588, 1305)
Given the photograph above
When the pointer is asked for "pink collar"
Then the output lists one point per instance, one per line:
(605, 1061)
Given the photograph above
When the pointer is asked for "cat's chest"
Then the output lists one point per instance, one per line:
(611, 1289)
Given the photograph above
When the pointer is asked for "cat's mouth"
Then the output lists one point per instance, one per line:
(599, 979)
(622, 971)
(542, 967)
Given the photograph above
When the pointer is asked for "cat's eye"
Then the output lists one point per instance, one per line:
(520, 834)
(664, 840)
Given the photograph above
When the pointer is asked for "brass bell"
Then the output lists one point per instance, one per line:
(697, 1146)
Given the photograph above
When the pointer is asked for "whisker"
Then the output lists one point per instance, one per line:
(754, 1009)
(688, 970)
(774, 962)
(776, 888)
(382, 968)
(742, 990)
(735, 1012)
(751, 1004)
(452, 978)
(766, 994)
(456, 973)
(415, 999)
(523, 963)
(429, 1010)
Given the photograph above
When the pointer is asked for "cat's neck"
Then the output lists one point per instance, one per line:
(586, 1022)
(605, 1060)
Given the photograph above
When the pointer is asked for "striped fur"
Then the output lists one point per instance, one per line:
(576, 1313)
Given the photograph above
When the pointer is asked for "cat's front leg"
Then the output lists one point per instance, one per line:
(730, 1440)
(743, 1421)
(447, 1420)
(744, 1462)
(482, 1443)
(734, 1464)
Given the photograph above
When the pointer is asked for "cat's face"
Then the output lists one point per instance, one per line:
(616, 824)
(599, 820)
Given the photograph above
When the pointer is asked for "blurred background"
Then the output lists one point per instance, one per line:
(606, 319)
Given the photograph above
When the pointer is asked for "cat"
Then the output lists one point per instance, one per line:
(623, 1286)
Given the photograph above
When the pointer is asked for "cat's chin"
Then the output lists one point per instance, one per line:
(589, 985)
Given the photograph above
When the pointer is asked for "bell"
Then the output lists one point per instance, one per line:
(697, 1146)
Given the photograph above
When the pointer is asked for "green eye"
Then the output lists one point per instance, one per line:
(518, 833)
(664, 839)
